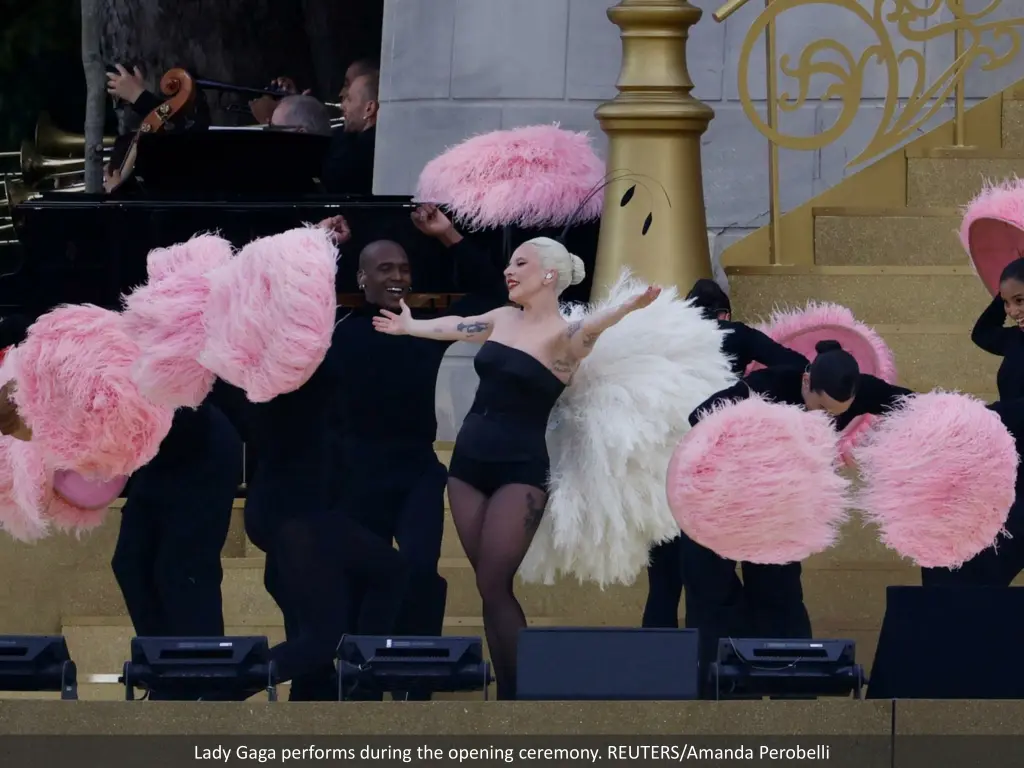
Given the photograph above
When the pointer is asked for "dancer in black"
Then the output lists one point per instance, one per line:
(743, 345)
(359, 439)
(996, 566)
(498, 475)
(175, 521)
(992, 335)
(769, 601)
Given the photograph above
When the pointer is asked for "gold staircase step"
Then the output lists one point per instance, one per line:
(1013, 124)
(877, 295)
(952, 176)
(914, 237)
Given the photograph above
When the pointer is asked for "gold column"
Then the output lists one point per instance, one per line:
(654, 127)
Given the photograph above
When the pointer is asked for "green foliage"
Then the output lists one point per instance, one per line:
(40, 66)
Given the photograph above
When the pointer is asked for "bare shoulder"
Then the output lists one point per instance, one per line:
(504, 315)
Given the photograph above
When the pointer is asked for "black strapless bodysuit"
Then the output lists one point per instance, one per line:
(503, 438)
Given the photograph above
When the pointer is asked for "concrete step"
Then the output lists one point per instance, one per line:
(887, 237)
(949, 177)
(838, 593)
(918, 296)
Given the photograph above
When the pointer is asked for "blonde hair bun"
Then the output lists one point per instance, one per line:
(579, 271)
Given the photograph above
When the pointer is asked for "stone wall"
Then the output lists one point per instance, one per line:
(454, 68)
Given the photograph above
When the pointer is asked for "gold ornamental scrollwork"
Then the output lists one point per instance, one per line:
(848, 74)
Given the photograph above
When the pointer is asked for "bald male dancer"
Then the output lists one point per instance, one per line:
(383, 424)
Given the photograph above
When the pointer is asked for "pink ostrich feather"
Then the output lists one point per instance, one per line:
(75, 391)
(165, 318)
(271, 313)
(25, 491)
(80, 504)
(802, 329)
(992, 230)
(938, 478)
(759, 482)
(534, 176)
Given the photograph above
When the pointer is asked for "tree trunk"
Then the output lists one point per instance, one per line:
(96, 97)
(241, 42)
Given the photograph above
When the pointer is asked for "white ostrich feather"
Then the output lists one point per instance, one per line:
(612, 433)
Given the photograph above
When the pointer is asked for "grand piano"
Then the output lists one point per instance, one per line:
(245, 184)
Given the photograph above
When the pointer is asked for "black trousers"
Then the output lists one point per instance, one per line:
(664, 587)
(314, 553)
(768, 602)
(993, 567)
(396, 491)
(175, 521)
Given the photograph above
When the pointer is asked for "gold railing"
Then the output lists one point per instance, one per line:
(976, 41)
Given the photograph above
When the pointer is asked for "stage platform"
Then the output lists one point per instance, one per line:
(824, 717)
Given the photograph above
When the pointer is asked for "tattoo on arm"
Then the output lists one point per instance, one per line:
(562, 366)
(473, 328)
(589, 337)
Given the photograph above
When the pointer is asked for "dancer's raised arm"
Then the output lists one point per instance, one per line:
(583, 334)
(476, 329)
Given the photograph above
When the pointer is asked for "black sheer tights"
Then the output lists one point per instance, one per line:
(496, 532)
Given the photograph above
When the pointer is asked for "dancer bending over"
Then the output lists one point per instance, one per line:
(769, 602)
(497, 483)
(743, 345)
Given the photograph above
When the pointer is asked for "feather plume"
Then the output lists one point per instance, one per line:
(612, 433)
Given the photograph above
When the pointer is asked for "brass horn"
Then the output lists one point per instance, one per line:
(17, 192)
(53, 142)
(36, 167)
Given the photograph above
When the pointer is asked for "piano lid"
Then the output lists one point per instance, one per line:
(231, 162)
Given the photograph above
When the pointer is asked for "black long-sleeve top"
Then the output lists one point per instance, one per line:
(386, 384)
(991, 334)
(785, 385)
(746, 345)
(1011, 412)
(371, 387)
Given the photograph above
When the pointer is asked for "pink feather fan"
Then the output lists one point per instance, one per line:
(75, 391)
(759, 482)
(992, 230)
(802, 329)
(533, 176)
(165, 318)
(271, 313)
(25, 491)
(938, 478)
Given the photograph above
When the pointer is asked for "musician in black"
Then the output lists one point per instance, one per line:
(372, 463)
(349, 165)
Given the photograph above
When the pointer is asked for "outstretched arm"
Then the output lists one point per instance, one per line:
(450, 328)
(583, 334)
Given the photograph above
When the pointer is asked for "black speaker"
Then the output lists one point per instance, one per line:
(950, 643)
(612, 664)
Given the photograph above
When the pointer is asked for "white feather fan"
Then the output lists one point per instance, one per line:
(612, 433)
